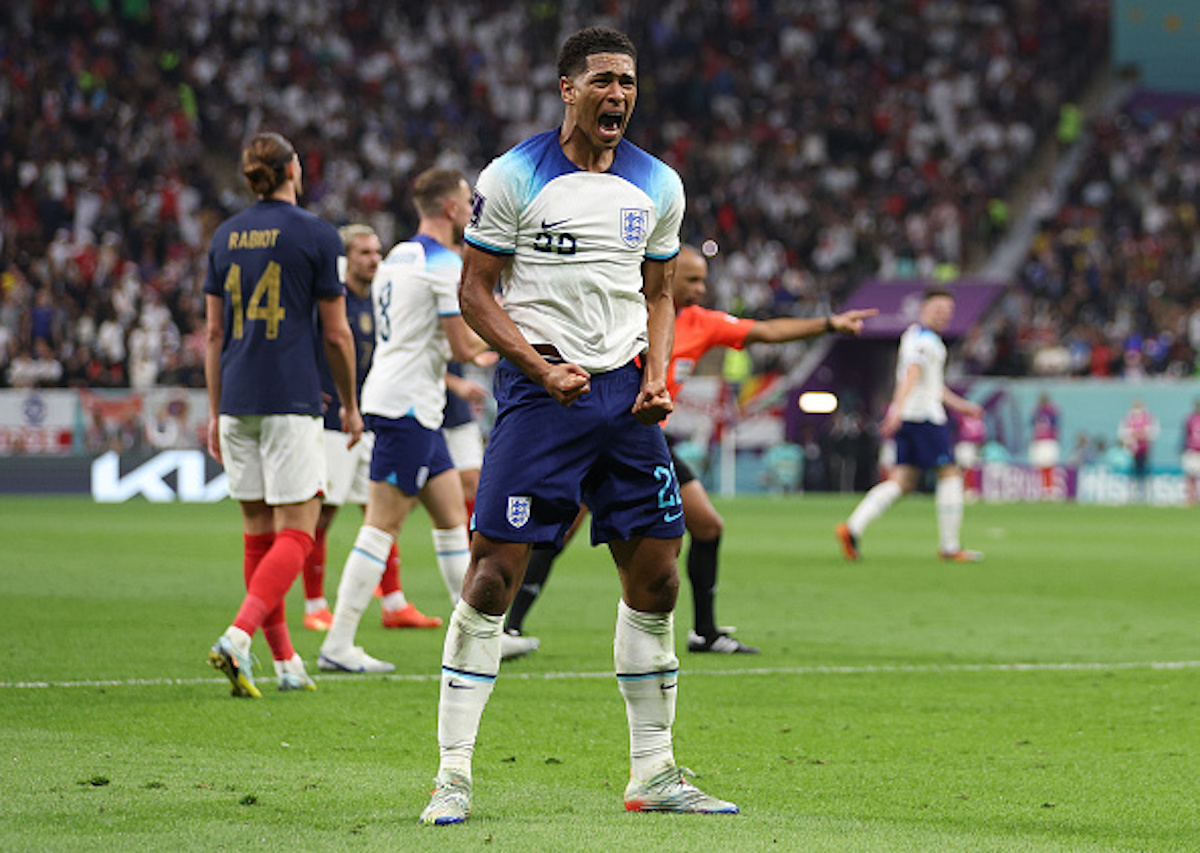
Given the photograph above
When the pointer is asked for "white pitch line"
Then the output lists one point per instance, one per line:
(868, 669)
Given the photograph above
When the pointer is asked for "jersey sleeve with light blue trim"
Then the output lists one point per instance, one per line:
(665, 188)
(500, 194)
(444, 268)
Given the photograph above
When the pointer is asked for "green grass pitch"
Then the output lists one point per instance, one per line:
(1044, 700)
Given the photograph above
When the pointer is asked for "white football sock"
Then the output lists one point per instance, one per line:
(394, 600)
(453, 549)
(874, 504)
(364, 567)
(948, 497)
(315, 605)
(239, 638)
(294, 664)
(470, 663)
(648, 675)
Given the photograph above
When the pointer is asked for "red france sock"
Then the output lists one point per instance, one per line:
(275, 631)
(390, 582)
(314, 568)
(255, 547)
(272, 579)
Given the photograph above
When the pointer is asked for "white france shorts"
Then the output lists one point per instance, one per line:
(276, 458)
(347, 469)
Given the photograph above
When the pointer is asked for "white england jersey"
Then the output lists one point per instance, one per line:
(578, 240)
(924, 347)
(415, 287)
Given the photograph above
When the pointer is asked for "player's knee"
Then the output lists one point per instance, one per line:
(654, 592)
(491, 582)
(486, 589)
(948, 472)
(448, 517)
(906, 480)
(706, 526)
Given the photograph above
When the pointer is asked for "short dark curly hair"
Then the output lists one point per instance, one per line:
(573, 56)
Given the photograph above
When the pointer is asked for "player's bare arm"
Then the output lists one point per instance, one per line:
(214, 341)
(850, 322)
(464, 343)
(961, 404)
(892, 419)
(564, 382)
(653, 403)
(465, 389)
(782, 329)
(339, 350)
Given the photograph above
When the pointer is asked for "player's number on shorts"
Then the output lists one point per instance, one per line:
(266, 290)
(668, 495)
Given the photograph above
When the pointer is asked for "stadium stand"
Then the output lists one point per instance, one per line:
(820, 141)
(1107, 287)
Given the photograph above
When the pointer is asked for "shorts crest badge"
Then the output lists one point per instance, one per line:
(518, 510)
(635, 223)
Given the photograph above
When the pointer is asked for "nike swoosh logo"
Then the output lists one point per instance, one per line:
(670, 686)
(546, 226)
(455, 684)
(669, 517)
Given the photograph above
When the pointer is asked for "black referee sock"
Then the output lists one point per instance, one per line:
(702, 572)
(536, 574)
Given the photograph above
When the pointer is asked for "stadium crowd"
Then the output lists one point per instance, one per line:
(821, 142)
(1108, 287)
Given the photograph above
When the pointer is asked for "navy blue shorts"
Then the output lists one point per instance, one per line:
(544, 459)
(406, 454)
(683, 471)
(924, 445)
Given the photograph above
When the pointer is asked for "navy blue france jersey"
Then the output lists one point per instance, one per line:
(360, 313)
(270, 264)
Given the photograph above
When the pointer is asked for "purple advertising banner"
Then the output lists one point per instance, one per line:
(1162, 105)
(899, 302)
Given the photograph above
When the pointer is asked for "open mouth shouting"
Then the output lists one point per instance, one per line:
(612, 125)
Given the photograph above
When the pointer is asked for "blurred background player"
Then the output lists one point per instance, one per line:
(887, 457)
(1137, 433)
(1191, 454)
(697, 330)
(464, 438)
(418, 327)
(347, 469)
(917, 418)
(272, 297)
(968, 453)
(1044, 449)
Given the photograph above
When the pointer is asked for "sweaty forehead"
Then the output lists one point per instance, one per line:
(620, 64)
